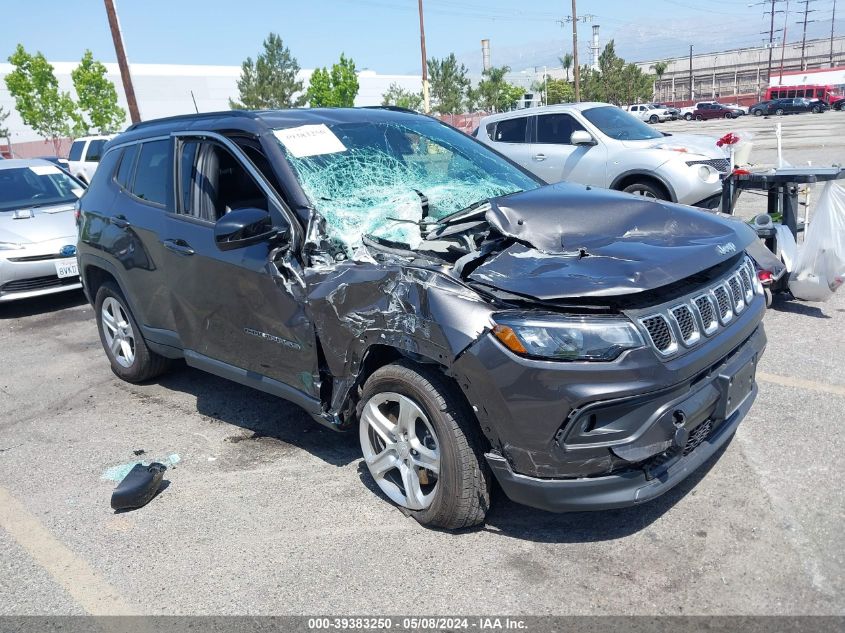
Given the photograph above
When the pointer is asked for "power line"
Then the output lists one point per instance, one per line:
(807, 11)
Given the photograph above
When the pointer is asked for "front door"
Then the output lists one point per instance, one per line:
(229, 306)
(561, 160)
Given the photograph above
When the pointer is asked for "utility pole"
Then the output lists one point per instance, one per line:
(832, 22)
(807, 11)
(783, 44)
(114, 25)
(772, 31)
(426, 95)
(691, 94)
(575, 53)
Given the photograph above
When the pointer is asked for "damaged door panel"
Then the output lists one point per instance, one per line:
(398, 279)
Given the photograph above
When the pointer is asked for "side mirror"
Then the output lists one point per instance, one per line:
(245, 227)
(582, 137)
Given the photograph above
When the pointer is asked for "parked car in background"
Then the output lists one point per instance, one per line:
(84, 156)
(741, 109)
(602, 145)
(686, 112)
(673, 112)
(398, 280)
(760, 108)
(779, 107)
(649, 113)
(37, 229)
(714, 111)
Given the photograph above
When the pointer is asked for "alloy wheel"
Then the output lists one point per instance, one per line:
(645, 193)
(401, 449)
(118, 332)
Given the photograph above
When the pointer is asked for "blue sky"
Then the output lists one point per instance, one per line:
(383, 34)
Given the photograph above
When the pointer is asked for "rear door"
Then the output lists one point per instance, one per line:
(228, 306)
(511, 137)
(561, 160)
(92, 157)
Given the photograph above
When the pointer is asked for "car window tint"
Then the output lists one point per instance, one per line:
(212, 182)
(95, 150)
(556, 128)
(152, 172)
(76, 150)
(511, 130)
(127, 162)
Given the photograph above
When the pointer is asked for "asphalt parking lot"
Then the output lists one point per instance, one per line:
(268, 513)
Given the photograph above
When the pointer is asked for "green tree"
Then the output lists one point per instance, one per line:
(559, 91)
(270, 82)
(96, 97)
(659, 69)
(396, 95)
(566, 62)
(494, 93)
(448, 84)
(38, 100)
(335, 88)
(615, 81)
(4, 131)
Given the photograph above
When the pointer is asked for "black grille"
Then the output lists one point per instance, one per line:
(723, 300)
(38, 283)
(658, 330)
(697, 436)
(705, 308)
(719, 164)
(36, 258)
(736, 291)
(686, 322)
(746, 284)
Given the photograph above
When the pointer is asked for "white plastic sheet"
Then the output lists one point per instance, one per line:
(820, 266)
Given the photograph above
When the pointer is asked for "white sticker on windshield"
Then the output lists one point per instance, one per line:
(310, 140)
(44, 170)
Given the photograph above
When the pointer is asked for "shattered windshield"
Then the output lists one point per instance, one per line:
(620, 125)
(383, 179)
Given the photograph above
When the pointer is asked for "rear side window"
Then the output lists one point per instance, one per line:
(556, 128)
(106, 168)
(95, 150)
(76, 150)
(152, 172)
(127, 162)
(511, 130)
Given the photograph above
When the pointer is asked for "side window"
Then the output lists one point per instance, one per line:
(556, 128)
(152, 172)
(106, 169)
(127, 162)
(95, 150)
(213, 182)
(491, 130)
(76, 150)
(511, 130)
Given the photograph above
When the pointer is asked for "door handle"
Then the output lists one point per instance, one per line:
(180, 247)
(539, 157)
(120, 221)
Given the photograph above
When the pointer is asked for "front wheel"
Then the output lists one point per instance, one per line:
(758, 113)
(645, 190)
(816, 109)
(122, 340)
(779, 112)
(729, 116)
(698, 117)
(653, 118)
(423, 447)
(687, 117)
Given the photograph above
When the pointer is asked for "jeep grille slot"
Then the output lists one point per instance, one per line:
(660, 333)
(736, 293)
(724, 302)
(707, 312)
(747, 288)
(686, 324)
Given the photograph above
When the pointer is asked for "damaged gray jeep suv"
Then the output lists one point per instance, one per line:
(585, 348)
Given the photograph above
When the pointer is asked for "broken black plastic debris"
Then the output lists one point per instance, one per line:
(139, 451)
(138, 487)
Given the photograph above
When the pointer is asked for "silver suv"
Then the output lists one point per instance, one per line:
(602, 145)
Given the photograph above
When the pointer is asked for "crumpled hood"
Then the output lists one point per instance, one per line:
(574, 241)
(47, 223)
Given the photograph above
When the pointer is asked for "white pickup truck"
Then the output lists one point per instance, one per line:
(649, 113)
(84, 156)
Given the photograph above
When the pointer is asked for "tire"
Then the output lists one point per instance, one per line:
(816, 110)
(653, 119)
(646, 190)
(444, 425)
(134, 361)
(779, 112)
(729, 115)
(767, 292)
(758, 113)
(698, 117)
(687, 117)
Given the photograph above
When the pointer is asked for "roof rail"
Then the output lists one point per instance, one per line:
(393, 108)
(192, 116)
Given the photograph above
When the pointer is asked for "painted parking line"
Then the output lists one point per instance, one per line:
(801, 383)
(74, 575)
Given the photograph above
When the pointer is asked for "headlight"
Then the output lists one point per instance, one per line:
(707, 173)
(10, 246)
(557, 337)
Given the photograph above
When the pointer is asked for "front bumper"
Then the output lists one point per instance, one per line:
(31, 271)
